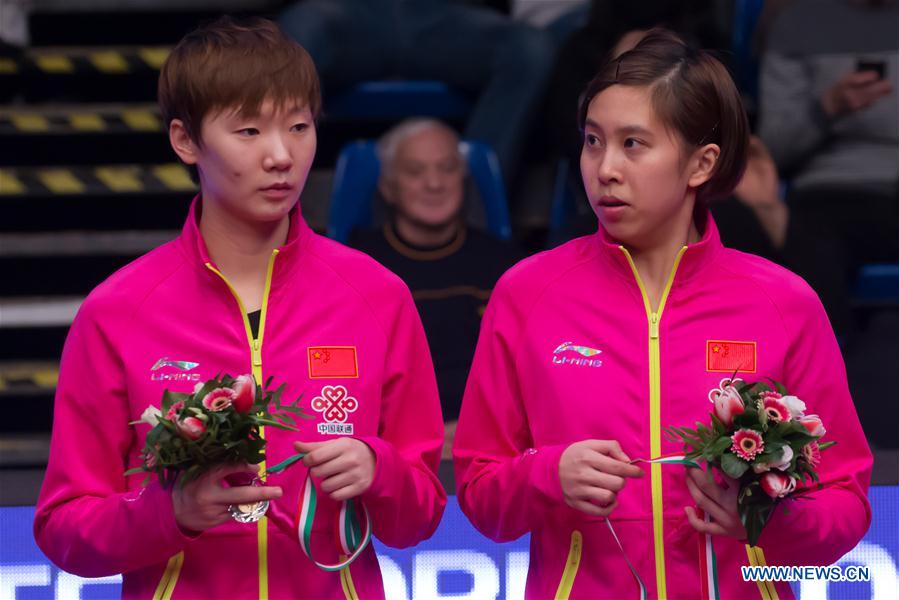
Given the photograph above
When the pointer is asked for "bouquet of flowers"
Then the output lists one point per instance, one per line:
(761, 437)
(219, 423)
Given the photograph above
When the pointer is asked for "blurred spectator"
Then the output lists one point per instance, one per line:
(450, 268)
(505, 63)
(830, 115)
(559, 17)
(584, 52)
(13, 26)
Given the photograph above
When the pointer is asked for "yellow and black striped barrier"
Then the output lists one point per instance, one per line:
(71, 61)
(100, 180)
(142, 118)
(29, 376)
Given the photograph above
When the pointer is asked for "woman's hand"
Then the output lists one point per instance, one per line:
(345, 466)
(203, 503)
(720, 503)
(592, 472)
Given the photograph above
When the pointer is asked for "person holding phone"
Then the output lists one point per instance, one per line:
(829, 114)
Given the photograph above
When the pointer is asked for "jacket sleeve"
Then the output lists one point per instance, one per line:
(87, 521)
(821, 528)
(791, 122)
(505, 485)
(406, 499)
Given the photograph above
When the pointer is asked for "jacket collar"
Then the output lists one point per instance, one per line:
(697, 256)
(193, 245)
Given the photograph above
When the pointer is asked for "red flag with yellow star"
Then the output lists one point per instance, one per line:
(730, 356)
(333, 362)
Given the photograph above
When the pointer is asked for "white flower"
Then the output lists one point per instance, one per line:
(151, 416)
(781, 464)
(198, 387)
(795, 405)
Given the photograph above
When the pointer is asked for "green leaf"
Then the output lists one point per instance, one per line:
(720, 445)
(755, 515)
(733, 465)
(717, 425)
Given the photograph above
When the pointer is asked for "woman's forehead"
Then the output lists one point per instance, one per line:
(622, 107)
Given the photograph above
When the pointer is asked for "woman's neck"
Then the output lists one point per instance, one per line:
(655, 262)
(241, 250)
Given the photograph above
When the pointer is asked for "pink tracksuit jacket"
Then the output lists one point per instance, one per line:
(332, 317)
(538, 385)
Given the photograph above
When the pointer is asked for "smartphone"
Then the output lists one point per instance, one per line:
(879, 66)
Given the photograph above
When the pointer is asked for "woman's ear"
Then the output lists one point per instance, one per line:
(182, 144)
(702, 164)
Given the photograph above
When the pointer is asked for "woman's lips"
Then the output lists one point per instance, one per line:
(612, 208)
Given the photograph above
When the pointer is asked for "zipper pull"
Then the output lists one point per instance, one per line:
(257, 354)
(654, 326)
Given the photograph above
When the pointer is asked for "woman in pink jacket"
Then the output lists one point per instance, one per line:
(587, 351)
(247, 287)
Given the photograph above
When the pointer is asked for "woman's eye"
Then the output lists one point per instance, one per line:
(300, 127)
(632, 143)
(592, 140)
(248, 131)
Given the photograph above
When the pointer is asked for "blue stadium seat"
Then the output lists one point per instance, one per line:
(396, 99)
(746, 66)
(356, 178)
(877, 285)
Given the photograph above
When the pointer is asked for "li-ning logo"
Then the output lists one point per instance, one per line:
(181, 365)
(562, 355)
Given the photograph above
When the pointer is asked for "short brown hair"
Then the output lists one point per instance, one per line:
(692, 93)
(238, 64)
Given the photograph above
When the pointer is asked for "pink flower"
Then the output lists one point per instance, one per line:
(191, 427)
(219, 399)
(244, 393)
(150, 461)
(777, 485)
(772, 395)
(728, 404)
(172, 413)
(812, 453)
(747, 444)
(776, 410)
(722, 385)
(813, 424)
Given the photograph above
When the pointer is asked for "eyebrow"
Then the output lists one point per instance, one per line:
(290, 112)
(626, 130)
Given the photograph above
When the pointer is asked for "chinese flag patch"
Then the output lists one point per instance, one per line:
(728, 357)
(333, 362)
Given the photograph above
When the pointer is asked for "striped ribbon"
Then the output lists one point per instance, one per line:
(708, 562)
(353, 536)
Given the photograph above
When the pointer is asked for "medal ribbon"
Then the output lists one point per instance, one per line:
(353, 537)
(708, 562)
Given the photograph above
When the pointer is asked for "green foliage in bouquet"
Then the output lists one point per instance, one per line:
(219, 423)
(760, 436)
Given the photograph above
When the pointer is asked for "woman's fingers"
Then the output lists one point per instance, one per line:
(246, 494)
(701, 526)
